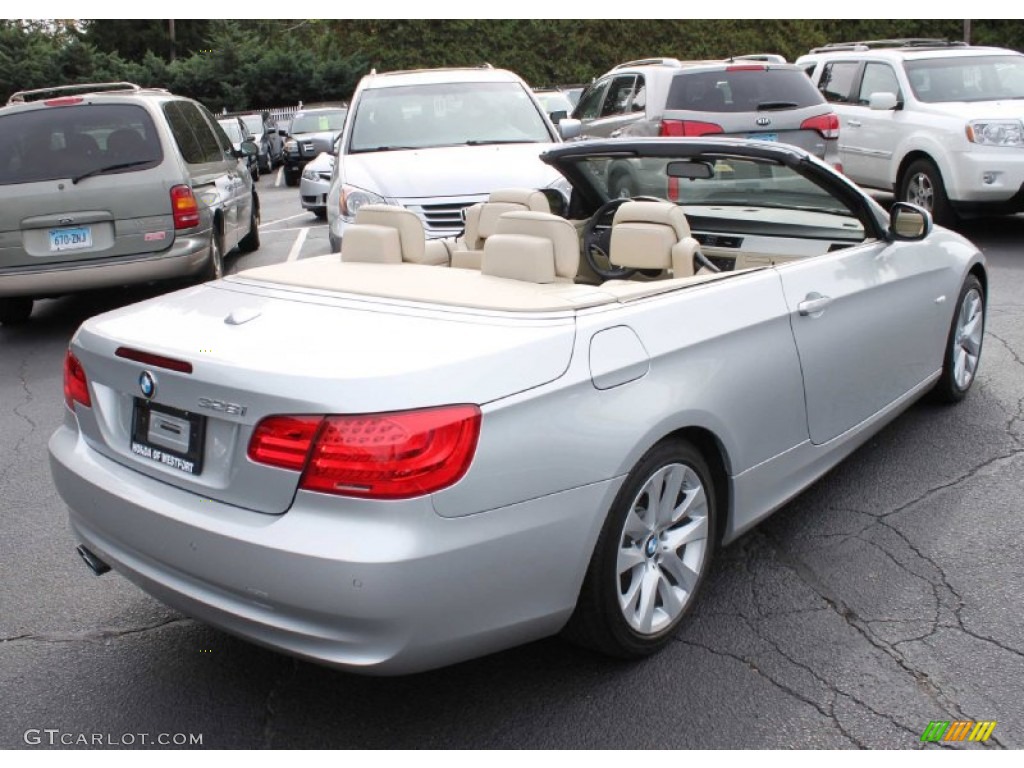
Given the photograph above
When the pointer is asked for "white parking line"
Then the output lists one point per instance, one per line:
(280, 176)
(300, 238)
(293, 229)
(286, 218)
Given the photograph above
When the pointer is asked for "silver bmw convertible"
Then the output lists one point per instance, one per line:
(415, 453)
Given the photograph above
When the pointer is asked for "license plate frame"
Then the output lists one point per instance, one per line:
(148, 416)
(70, 239)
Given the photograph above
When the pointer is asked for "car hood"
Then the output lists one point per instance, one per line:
(324, 162)
(449, 171)
(972, 110)
(325, 138)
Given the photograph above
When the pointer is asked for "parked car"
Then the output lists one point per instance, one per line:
(573, 93)
(237, 133)
(316, 183)
(266, 136)
(311, 132)
(753, 99)
(437, 141)
(555, 103)
(938, 123)
(107, 185)
(401, 465)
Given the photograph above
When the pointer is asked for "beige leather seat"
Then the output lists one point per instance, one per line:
(390, 234)
(652, 235)
(482, 221)
(533, 247)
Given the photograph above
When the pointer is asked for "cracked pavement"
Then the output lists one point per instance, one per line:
(885, 596)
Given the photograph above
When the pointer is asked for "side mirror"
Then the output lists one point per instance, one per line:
(558, 115)
(882, 101)
(909, 222)
(249, 149)
(570, 129)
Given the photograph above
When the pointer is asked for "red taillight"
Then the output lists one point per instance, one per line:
(184, 207)
(673, 188)
(76, 387)
(63, 101)
(838, 166)
(827, 125)
(376, 456)
(284, 441)
(158, 361)
(687, 128)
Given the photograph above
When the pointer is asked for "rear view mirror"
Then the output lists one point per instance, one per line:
(882, 101)
(690, 169)
(570, 129)
(909, 222)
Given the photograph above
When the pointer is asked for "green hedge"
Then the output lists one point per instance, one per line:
(259, 63)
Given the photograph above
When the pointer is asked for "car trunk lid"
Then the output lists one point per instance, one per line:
(254, 353)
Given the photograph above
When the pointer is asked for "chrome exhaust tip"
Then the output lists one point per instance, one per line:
(96, 565)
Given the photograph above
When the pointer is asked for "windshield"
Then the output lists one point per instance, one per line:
(554, 101)
(232, 129)
(444, 115)
(254, 124)
(65, 142)
(967, 78)
(736, 189)
(317, 122)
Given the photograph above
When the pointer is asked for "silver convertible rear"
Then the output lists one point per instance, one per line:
(419, 452)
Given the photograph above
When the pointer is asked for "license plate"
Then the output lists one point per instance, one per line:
(168, 436)
(70, 238)
(763, 136)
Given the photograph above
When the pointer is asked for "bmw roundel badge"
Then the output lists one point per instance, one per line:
(147, 383)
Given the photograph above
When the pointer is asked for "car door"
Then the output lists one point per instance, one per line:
(876, 132)
(236, 184)
(588, 111)
(836, 83)
(864, 320)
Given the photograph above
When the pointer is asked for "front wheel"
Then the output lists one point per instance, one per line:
(963, 345)
(653, 553)
(921, 184)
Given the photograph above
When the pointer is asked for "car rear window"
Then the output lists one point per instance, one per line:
(68, 141)
(742, 90)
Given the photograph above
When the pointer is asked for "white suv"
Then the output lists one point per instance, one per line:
(437, 141)
(936, 122)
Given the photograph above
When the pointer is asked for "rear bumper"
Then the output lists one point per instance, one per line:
(187, 256)
(381, 588)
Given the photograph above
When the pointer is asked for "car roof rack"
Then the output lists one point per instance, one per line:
(664, 61)
(899, 42)
(22, 97)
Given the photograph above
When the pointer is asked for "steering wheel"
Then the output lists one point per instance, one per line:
(597, 238)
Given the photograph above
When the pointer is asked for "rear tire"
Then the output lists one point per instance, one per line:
(921, 184)
(963, 345)
(320, 213)
(651, 557)
(15, 311)
(214, 269)
(251, 241)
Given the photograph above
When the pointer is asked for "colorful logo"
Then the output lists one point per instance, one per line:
(958, 730)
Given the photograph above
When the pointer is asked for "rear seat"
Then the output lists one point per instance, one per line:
(390, 234)
(482, 221)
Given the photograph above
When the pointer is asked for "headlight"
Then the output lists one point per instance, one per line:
(311, 174)
(996, 133)
(291, 145)
(354, 198)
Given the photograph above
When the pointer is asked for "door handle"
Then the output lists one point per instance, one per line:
(813, 305)
(854, 123)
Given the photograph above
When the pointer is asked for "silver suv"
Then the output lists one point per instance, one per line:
(936, 122)
(112, 184)
(754, 97)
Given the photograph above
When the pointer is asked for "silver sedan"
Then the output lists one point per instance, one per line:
(316, 183)
(386, 463)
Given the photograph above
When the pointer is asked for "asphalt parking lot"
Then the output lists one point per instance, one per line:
(886, 596)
